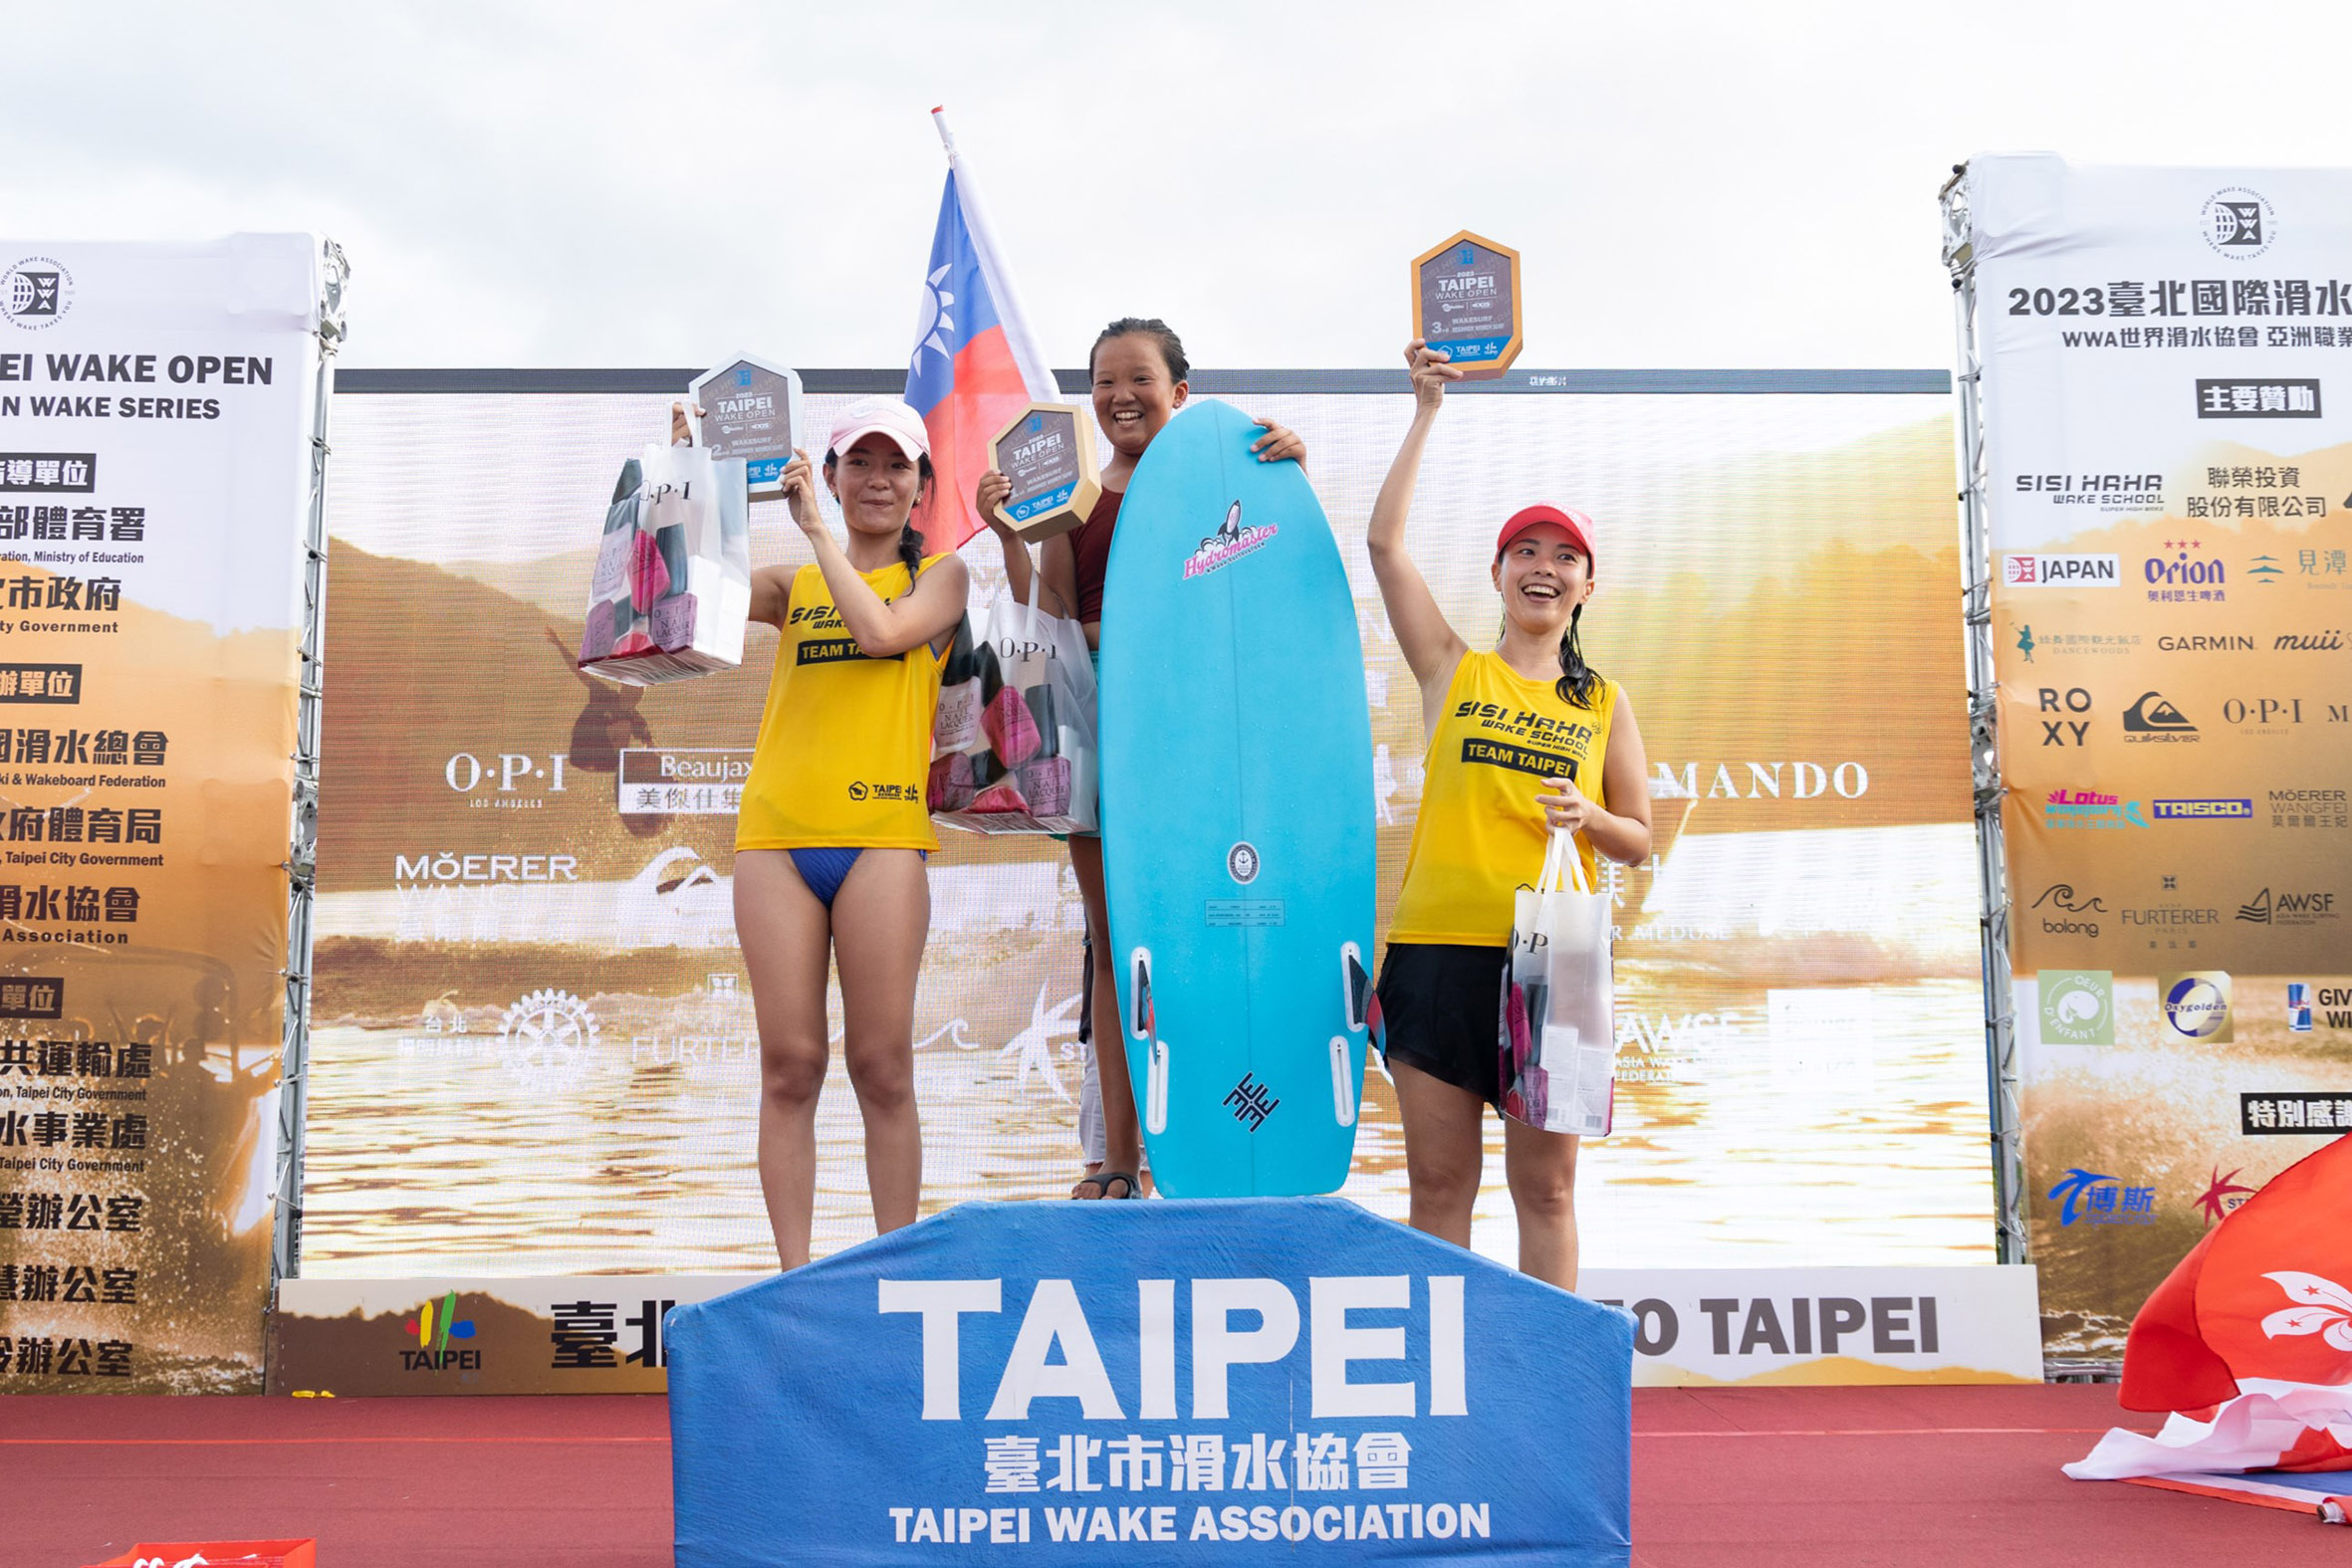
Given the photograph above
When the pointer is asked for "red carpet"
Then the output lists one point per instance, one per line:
(1722, 1477)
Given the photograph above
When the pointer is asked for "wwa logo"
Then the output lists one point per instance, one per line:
(36, 292)
(436, 1323)
(1226, 545)
(2238, 223)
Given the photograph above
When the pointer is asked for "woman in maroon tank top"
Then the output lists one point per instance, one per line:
(1140, 380)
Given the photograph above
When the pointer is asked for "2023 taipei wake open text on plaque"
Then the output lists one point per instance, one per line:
(1466, 302)
(751, 409)
(1048, 452)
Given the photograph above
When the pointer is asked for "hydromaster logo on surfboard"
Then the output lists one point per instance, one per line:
(1227, 545)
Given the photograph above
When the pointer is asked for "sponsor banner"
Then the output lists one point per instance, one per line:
(526, 975)
(2175, 709)
(1694, 1327)
(1705, 1327)
(155, 448)
(1194, 1381)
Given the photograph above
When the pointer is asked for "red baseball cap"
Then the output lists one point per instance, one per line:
(1578, 526)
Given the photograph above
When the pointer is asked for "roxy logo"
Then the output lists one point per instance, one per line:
(1226, 545)
(2238, 223)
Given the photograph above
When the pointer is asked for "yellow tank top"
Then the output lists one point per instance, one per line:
(846, 739)
(1480, 834)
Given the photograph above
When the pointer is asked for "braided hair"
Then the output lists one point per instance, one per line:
(1579, 681)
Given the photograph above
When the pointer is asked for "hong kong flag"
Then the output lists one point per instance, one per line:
(2249, 1339)
(974, 363)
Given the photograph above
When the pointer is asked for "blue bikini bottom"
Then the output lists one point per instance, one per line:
(824, 870)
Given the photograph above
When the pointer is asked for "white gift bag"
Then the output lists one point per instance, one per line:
(1012, 748)
(672, 593)
(1556, 1030)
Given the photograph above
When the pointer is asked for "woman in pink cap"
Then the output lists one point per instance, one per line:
(1140, 380)
(832, 833)
(1570, 759)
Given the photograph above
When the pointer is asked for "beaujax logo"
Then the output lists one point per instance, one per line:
(436, 1323)
(547, 1041)
(36, 292)
(1227, 545)
(2238, 223)
(2195, 1007)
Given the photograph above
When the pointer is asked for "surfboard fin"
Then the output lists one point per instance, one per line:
(1155, 1091)
(1342, 1084)
(1141, 1023)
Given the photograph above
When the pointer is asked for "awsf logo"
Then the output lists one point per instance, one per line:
(2077, 571)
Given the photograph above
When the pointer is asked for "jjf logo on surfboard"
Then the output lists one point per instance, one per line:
(1227, 545)
(1249, 1102)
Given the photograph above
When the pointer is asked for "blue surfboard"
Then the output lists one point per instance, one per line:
(1238, 816)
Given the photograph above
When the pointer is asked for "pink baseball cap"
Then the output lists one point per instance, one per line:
(890, 417)
(1578, 526)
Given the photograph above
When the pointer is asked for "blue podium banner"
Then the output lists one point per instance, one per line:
(1163, 1382)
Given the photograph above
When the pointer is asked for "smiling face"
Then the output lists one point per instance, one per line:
(1134, 395)
(1542, 576)
(876, 484)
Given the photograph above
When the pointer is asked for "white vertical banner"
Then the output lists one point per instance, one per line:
(156, 445)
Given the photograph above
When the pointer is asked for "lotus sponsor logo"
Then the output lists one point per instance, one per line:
(2153, 718)
(2058, 902)
(2038, 570)
(2288, 909)
(2078, 1006)
(2195, 1007)
(2080, 808)
(2095, 1197)
(2203, 810)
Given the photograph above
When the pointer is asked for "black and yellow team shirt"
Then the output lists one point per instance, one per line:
(1497, 744)
(846, 739)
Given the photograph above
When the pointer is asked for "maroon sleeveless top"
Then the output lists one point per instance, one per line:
(1090, 543)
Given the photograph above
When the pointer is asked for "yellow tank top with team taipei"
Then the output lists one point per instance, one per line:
(1499, 740)
(846, 739)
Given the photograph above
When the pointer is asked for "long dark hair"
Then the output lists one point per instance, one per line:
(1579, 681)
(910, 538)
(1171, 346)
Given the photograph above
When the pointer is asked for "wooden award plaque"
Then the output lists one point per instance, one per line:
(1466, 302)
(1048, 452)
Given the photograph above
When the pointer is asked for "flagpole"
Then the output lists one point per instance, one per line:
(1036, 373)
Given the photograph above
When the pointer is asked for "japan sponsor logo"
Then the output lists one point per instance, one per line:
(2095, 1197)
(548, 1042)
(2195, 1007)
(36, 292)
(2037, 571)
(1227, 545)
(2078, 1006)
(2288, 909)
(2203, 810)
(2152, 718)
(2060, 901)
(2083, 809)
(2238, 223)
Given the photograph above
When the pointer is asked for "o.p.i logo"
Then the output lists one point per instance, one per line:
(2238, 223)
(36, 292)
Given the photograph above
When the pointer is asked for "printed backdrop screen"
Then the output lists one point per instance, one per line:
(533, 1050)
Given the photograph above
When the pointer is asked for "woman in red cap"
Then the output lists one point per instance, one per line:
(1140, 378)
(832, 833)
(1570, 759)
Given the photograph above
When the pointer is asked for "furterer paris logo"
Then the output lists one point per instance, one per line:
(2238, 223)
(36, 292)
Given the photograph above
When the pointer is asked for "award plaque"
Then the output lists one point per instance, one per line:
(1048, 452)
(751, 409)
(1466, 302)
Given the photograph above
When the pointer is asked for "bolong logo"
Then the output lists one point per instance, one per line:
(547, 1041)
(2059, 899)
(36, 292)
(436, 1323)
(2196, 1005)
(2237, 222)
(2036, 570)
(2078, 1006)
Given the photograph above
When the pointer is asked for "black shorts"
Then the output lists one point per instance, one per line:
(1439, 1005)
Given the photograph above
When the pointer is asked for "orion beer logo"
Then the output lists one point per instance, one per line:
(2238, 223)
(36, 292)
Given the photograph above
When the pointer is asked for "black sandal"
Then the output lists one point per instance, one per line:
(1101, 1180)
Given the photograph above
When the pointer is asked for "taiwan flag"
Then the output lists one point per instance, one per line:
(974, 363)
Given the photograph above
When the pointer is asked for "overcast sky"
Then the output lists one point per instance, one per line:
(586, 183)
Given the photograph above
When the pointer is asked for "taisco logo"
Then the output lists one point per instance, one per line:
(2237, 222)
(547, 1041)
(36, 292)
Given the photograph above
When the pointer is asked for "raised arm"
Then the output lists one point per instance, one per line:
(993, 489)
(1431, 647)
(884, 628)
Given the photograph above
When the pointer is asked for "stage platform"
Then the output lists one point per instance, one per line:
(1721, 1479)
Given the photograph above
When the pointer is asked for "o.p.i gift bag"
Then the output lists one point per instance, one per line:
(672, 588)
(1012, 748)
(1558, 1027)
